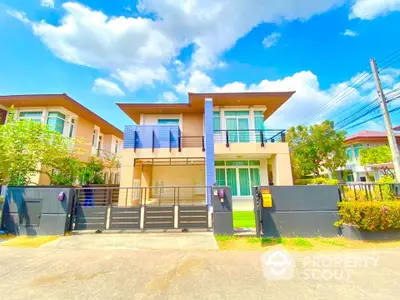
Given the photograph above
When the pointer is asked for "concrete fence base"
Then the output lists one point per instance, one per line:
(354, 233)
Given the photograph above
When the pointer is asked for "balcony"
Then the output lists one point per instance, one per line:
(262, 137)
(160, 136)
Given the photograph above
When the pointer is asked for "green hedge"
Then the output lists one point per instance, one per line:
(371, 216)
(318, 180)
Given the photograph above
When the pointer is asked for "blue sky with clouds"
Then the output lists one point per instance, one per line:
(102, 52)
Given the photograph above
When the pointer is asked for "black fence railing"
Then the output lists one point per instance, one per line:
(138, 196)
(192, 142)
(228, 137)
(369, 192)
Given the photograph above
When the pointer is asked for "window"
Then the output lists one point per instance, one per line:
(357, 150)
(94, 138)
(240, 175)
(72, 128)
(237, 124)
(56, 121)
(116, 147)
(35, 116)
(168, 121)
(349, 153)
(258, 120)
(217, 120)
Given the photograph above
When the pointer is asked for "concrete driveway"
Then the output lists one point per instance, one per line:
(138, 241)
(47, 273)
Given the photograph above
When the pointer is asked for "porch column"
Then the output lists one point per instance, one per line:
(264, 180)
(126, 176)
(209, 146)
(281, 169)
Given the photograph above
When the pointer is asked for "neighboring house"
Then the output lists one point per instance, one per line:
(216, 138)
(68, 117)
(354, 171)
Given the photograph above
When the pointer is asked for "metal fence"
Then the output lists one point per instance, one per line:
(369, 192)
(137, 196)
(249, 136)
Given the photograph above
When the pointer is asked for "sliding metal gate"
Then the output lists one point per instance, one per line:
(141, 208)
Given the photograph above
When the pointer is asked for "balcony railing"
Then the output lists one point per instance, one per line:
(228, 137)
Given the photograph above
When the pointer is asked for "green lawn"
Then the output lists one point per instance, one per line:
(244, 219)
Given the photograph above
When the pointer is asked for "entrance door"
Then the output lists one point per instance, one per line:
(231, 180)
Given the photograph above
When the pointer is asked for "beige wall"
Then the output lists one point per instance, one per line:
(149, 119)
(179, 175)
(84, 132)
(192, 125)
(251, 148)
(281, 169)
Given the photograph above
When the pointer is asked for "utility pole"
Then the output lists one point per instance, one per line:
(388, 122)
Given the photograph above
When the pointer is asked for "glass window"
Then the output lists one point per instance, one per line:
(254, 162)
(35, 116)
(168, 121)
(357, 150)
(349, 153)
(217, 120)
(56, 121)
(94, 138)
(238, 113)
(237, 163)
(219, 163)
(72, 128)
(220, 174)
(116, 147)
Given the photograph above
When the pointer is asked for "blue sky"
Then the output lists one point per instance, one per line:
(102, 52)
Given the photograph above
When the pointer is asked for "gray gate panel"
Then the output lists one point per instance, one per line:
(91, 218)
(37, 210)
(193, 217)
(304, 224)
(301, 198)
(125, 218)
(307, 211)
(159, 217)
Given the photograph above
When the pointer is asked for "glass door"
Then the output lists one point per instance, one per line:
(231, 126)
(244, 182)
(231, 180)
(243, 125)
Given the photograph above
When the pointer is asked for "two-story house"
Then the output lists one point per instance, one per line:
(354, 171)
(216, 138)
(65, 115)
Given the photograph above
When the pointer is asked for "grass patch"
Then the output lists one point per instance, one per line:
(27, 241)
(244, 219)
(299, 243)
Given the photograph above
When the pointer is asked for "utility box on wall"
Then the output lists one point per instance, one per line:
(37, 210)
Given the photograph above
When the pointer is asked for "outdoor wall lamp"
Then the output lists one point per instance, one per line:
(61, 196)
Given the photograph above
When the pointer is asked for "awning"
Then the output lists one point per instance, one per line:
(181, 161)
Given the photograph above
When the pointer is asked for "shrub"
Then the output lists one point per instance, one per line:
(318, 180)
(370, 215)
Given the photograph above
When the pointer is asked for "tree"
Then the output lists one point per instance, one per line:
(92, 172)
(26, 147)
(316, 147)
(377, 155)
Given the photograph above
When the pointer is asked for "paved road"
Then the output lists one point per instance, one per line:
(47, 273)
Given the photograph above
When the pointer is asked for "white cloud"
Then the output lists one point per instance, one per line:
(271, 40)
(123, 45)
(309, 99)
(349, 32)
(47, 3)
(19, 16)
(107, 87)
(371, 9)
(168, 97)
